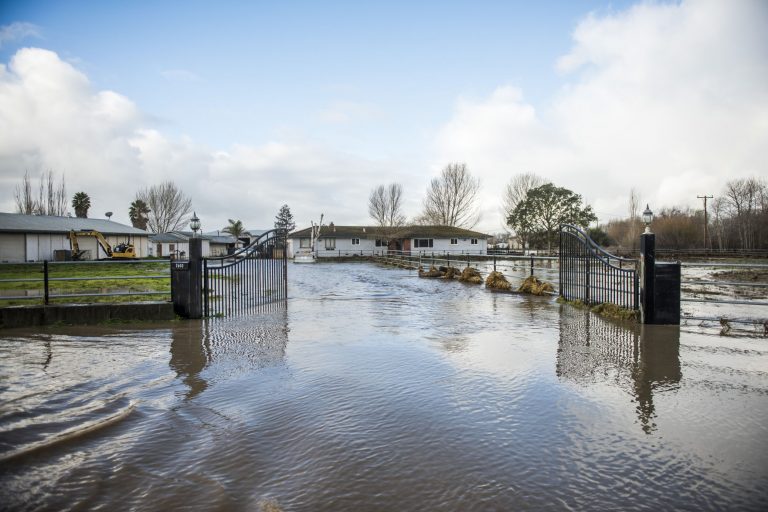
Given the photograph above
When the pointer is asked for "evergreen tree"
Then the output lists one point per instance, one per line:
(545, 208)
(235, 228)
(81, 203)
(139, 214)
(284, 219)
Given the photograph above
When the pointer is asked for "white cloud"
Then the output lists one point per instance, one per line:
(17, 31)
(52, 118)
(671, 99)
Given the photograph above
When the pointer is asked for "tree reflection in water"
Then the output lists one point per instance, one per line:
(639, 359)
(208, 349)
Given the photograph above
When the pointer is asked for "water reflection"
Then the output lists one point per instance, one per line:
(639, 359)
(190, 351)
(213, 349)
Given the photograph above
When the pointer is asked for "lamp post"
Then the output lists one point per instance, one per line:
(647, 219)
(194, 223)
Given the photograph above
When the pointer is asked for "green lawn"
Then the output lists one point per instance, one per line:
(103, 277)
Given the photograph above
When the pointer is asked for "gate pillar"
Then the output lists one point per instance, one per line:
(659, 286)
(186, 282)
(647, 276)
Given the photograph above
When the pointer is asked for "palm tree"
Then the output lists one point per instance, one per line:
(81, 202)
(235, 228)
(139, 214)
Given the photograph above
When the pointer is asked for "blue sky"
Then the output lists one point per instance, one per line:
(315, 103)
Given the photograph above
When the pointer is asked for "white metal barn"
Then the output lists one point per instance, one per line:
(36, 237)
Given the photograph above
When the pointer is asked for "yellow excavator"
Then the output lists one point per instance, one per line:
(121, 251)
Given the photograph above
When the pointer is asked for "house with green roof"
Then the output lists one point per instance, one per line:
(340, 241)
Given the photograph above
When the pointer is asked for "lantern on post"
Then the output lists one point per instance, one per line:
(647, 218)
(194, 223)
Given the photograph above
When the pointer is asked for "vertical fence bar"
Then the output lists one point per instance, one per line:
(46, 292)
(205, 287)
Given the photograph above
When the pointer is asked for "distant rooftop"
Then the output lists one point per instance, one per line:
(373, 232)
(19, 223)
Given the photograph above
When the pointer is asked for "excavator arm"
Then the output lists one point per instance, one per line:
(122, 251)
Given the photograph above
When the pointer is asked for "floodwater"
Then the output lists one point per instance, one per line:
(372, 389)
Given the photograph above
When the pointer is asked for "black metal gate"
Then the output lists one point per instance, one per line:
(249, 277)
(593, 276)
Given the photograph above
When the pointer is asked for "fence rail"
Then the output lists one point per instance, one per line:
(44, 284)
(750, 295)
(547, 268)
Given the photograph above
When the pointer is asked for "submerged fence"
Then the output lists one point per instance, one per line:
(709, 291)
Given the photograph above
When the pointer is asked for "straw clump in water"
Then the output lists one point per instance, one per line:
(535, 287)
(450, 272)
(432, 272)
(471, 275)
(497, 281)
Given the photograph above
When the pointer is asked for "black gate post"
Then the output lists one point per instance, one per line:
(647, 277)
(659, 286)
(186, 282)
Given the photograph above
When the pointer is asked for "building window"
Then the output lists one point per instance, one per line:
(330, 244)
(171, 247)
(304, 243)
(454, 241)
(355, 241)
(473, 241)
(423, 242)
(381, 243)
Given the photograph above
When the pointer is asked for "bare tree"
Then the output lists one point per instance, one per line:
(744, 199)
(515, 192)
(51, 200)
(168, 206)
(452, 197)
(634, 219)
(25, 203)
(718, 222)
(385, 205)
(517, 189)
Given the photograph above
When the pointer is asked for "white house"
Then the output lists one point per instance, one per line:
(175, 244)
(340, 241)
(37, 237)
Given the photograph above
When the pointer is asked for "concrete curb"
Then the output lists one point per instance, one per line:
(79, 314)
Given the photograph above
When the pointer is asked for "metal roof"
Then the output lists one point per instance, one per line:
(19, 223)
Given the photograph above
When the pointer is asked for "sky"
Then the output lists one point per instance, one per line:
(250, 105)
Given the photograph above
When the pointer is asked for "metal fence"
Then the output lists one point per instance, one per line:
(376, 253)
(515, 267)
(725, 292)
(252, 276)
(47, 281)
(592, 275)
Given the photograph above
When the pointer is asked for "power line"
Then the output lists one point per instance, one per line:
(705, 197)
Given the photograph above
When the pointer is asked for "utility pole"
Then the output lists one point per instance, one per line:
(706, 224)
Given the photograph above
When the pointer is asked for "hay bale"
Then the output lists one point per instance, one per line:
(432, 272)
(497, 281)
(471, 275)
(451, 273)
(535, 287)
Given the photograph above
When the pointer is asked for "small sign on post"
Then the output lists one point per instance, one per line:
(186, 279)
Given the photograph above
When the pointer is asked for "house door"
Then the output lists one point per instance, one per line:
(159, 250)
(407, 246)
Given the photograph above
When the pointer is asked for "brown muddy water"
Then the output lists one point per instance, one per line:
(372, 389)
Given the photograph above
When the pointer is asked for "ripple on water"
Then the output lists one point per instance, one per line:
(376, 390)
